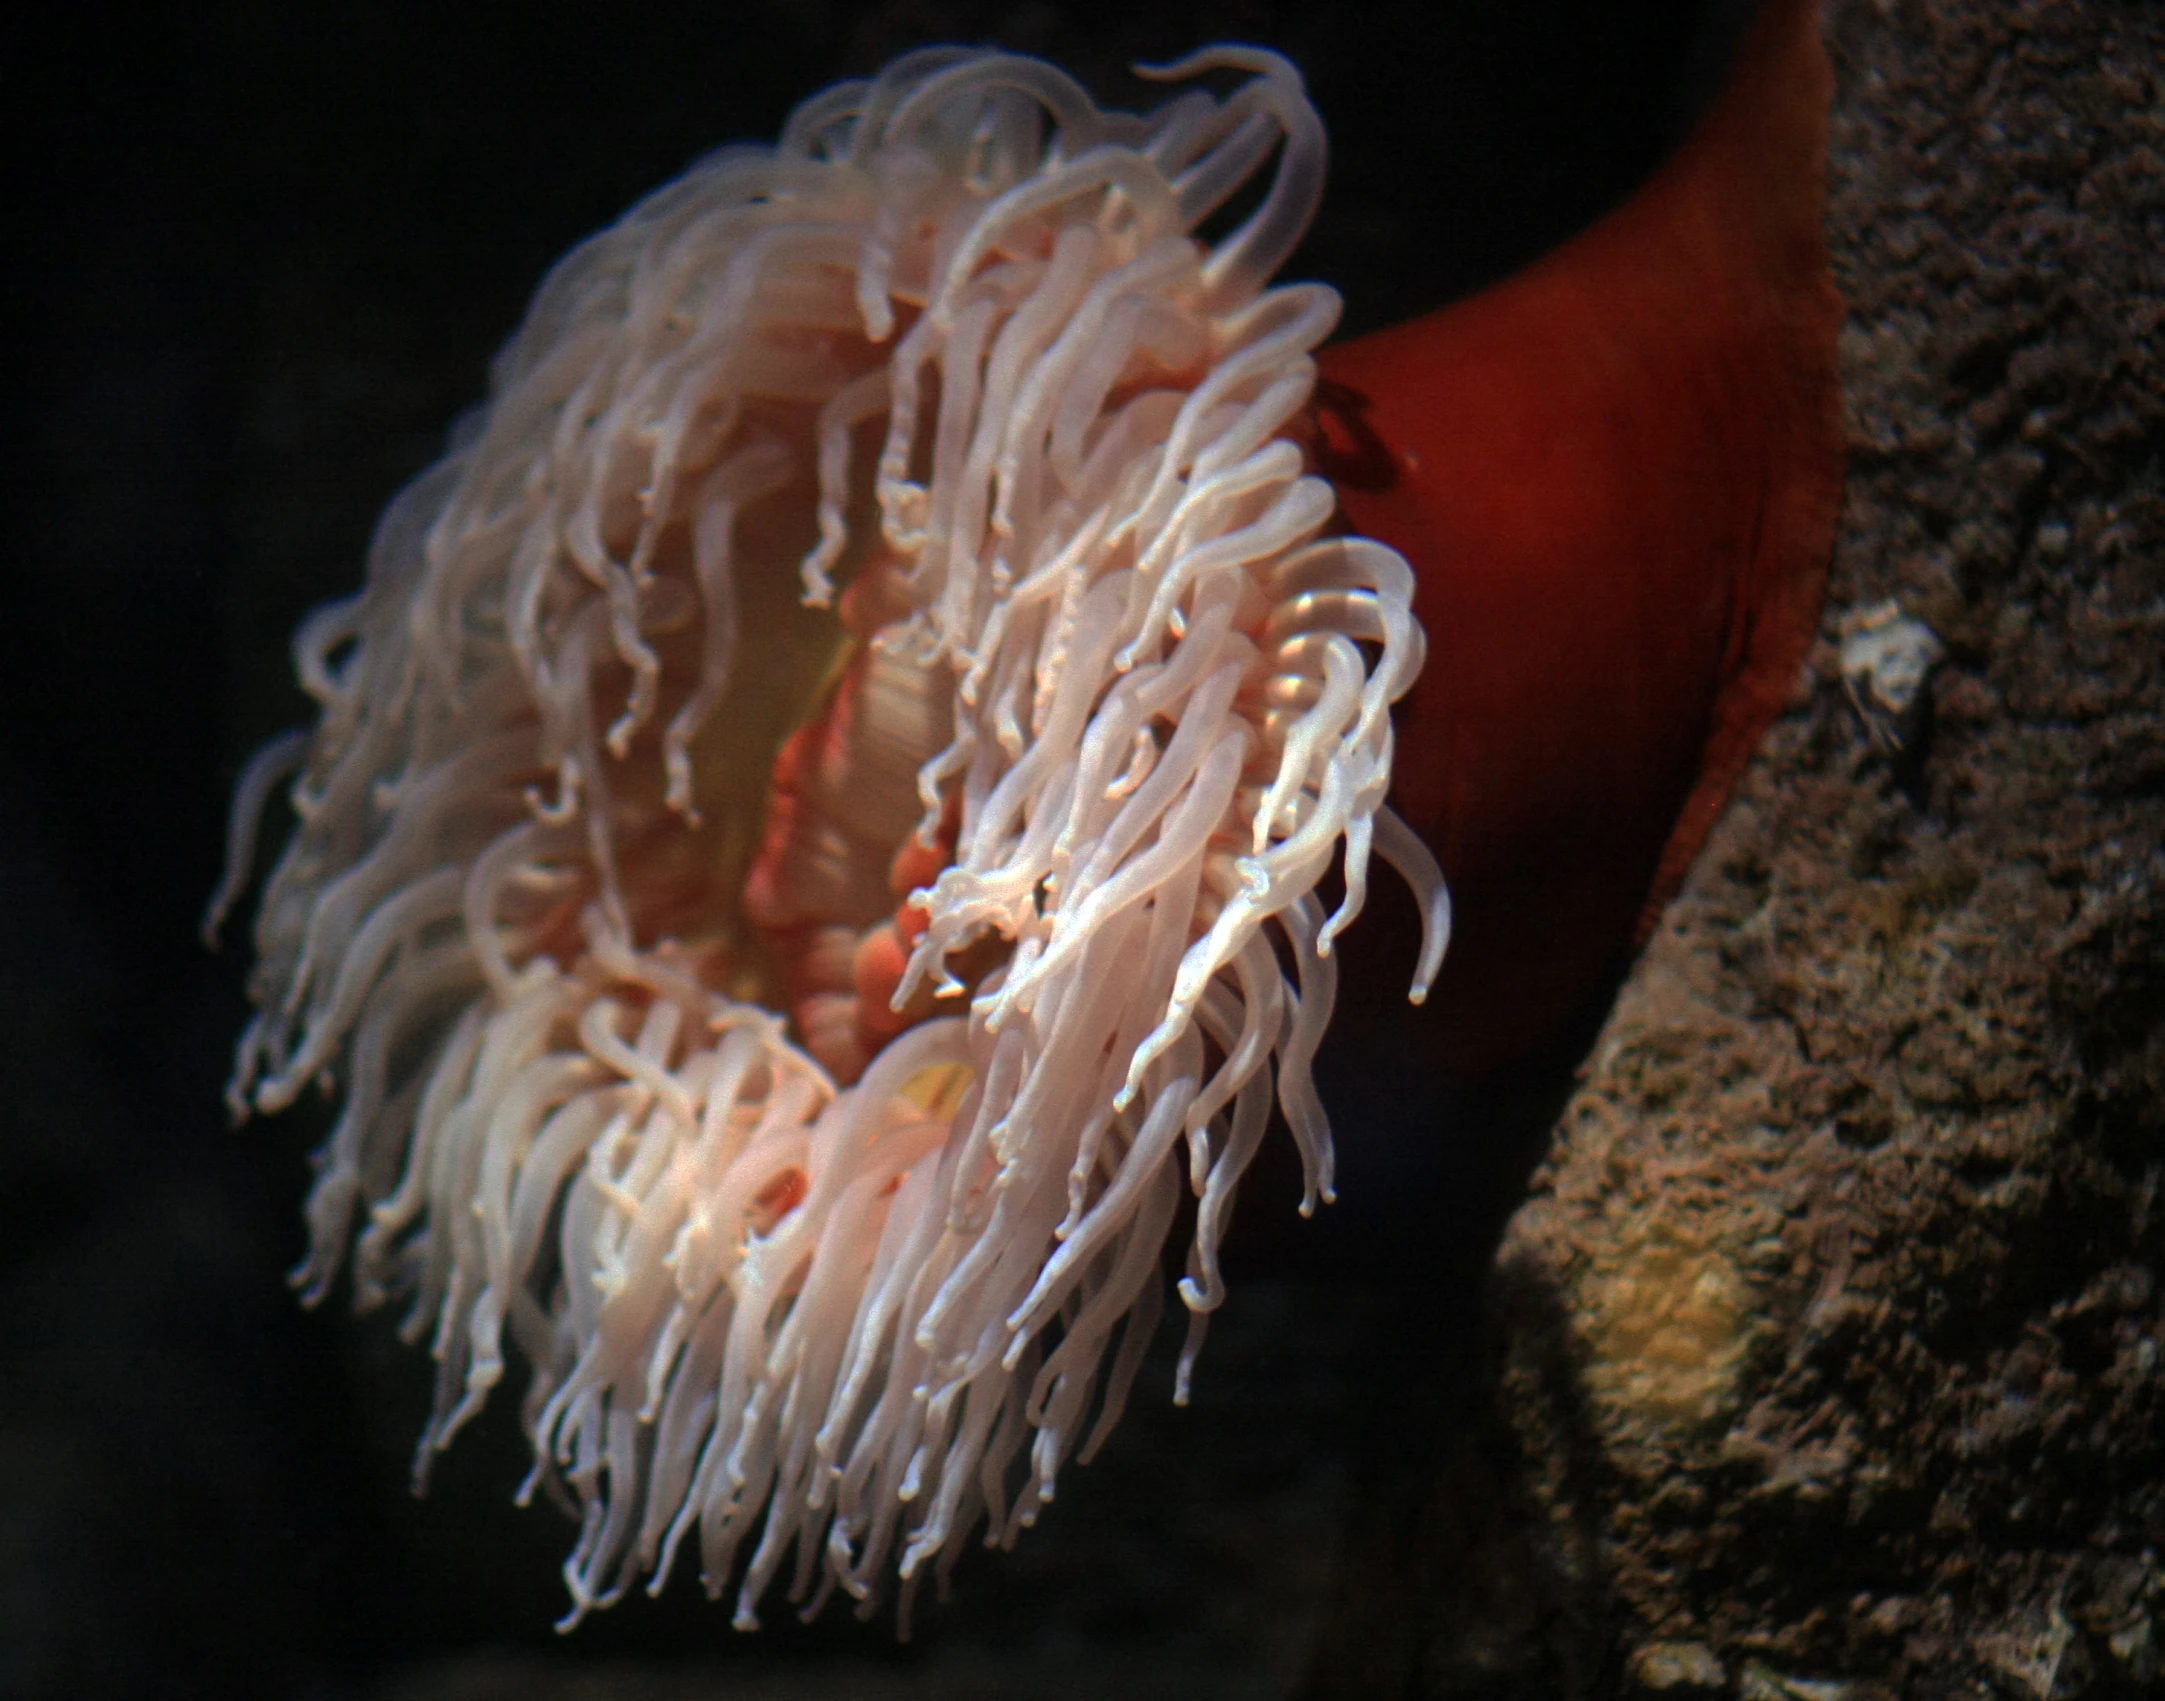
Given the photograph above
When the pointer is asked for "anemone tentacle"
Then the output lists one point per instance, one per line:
(604, 802)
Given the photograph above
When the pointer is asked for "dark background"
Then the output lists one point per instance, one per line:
(258, 258)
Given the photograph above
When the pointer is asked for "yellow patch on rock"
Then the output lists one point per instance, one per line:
(1669, 1324)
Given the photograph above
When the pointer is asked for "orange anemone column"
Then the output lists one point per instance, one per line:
(1616, 476)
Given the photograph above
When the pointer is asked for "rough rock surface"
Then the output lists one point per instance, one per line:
(1828, 1344)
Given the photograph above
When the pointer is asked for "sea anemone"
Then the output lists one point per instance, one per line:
(1617, 475)
(813, 834)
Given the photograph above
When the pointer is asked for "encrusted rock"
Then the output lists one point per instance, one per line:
(1828, 1339)
(1680, 1671)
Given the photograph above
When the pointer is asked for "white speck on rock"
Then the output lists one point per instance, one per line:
(1887, 657)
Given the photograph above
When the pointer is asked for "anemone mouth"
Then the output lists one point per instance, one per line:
(788, 1021)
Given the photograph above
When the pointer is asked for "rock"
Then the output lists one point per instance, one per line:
(1826, 1340)
(1683, 1670)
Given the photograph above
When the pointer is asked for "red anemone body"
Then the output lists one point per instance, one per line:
(1616, 475)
